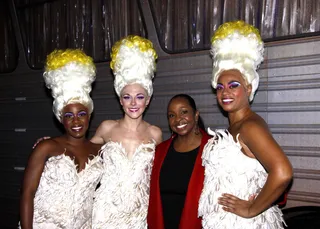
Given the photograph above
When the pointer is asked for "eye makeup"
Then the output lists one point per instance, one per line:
(126, 97)
(82, 113)
(233, 84)
(140, 97)
(68, 115)
(219, 87)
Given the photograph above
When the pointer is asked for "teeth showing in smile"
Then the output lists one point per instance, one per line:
(227, 100)
(77, 128)
(181, 126)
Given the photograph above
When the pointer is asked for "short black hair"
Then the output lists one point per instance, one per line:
(193, 105)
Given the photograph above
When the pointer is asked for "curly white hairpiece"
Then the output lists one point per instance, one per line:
(133, 61)
(69, 74)
(237, 45)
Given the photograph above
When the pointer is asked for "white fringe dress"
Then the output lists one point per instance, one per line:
(228, 170)
(122, 200)
(64, 198)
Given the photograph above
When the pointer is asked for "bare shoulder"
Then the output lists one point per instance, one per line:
(254, 127)
(103, 131)
(156, 133)
(108, 125)
(48, 148)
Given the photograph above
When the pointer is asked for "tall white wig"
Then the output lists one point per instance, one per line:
(133, 60)
(69, 74)
(237, 45)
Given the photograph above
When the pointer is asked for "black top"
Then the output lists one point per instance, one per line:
(175, 174)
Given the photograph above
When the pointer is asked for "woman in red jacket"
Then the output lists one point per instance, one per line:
(177, 175)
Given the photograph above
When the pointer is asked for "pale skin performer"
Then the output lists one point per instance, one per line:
(131, 130)
(133, 85)
(122, 199)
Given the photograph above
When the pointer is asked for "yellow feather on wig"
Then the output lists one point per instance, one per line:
(69, 74)
(133, 60)
(229, 28)
(237, 45)
(59, 58)
(131, 41)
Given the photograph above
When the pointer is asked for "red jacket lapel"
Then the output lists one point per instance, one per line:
(155, 218)
(189, 218)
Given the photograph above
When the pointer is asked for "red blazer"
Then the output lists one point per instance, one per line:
(189, 218)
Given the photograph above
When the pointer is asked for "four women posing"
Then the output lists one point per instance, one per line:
(227, 181)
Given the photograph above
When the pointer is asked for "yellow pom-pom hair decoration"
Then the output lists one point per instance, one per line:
(133, 60)
(59, 58)
(69, 74)
(237, 45)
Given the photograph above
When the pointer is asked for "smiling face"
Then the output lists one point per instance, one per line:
(134, 100)
(182, 117)
(75, 119)
(232, 91)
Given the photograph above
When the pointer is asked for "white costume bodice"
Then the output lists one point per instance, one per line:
(122, 200)
(228, 170)
(64, 198)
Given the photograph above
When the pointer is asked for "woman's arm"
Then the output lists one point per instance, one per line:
(102, 130)
(256, 136)
(31, 181)
(156, 134)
